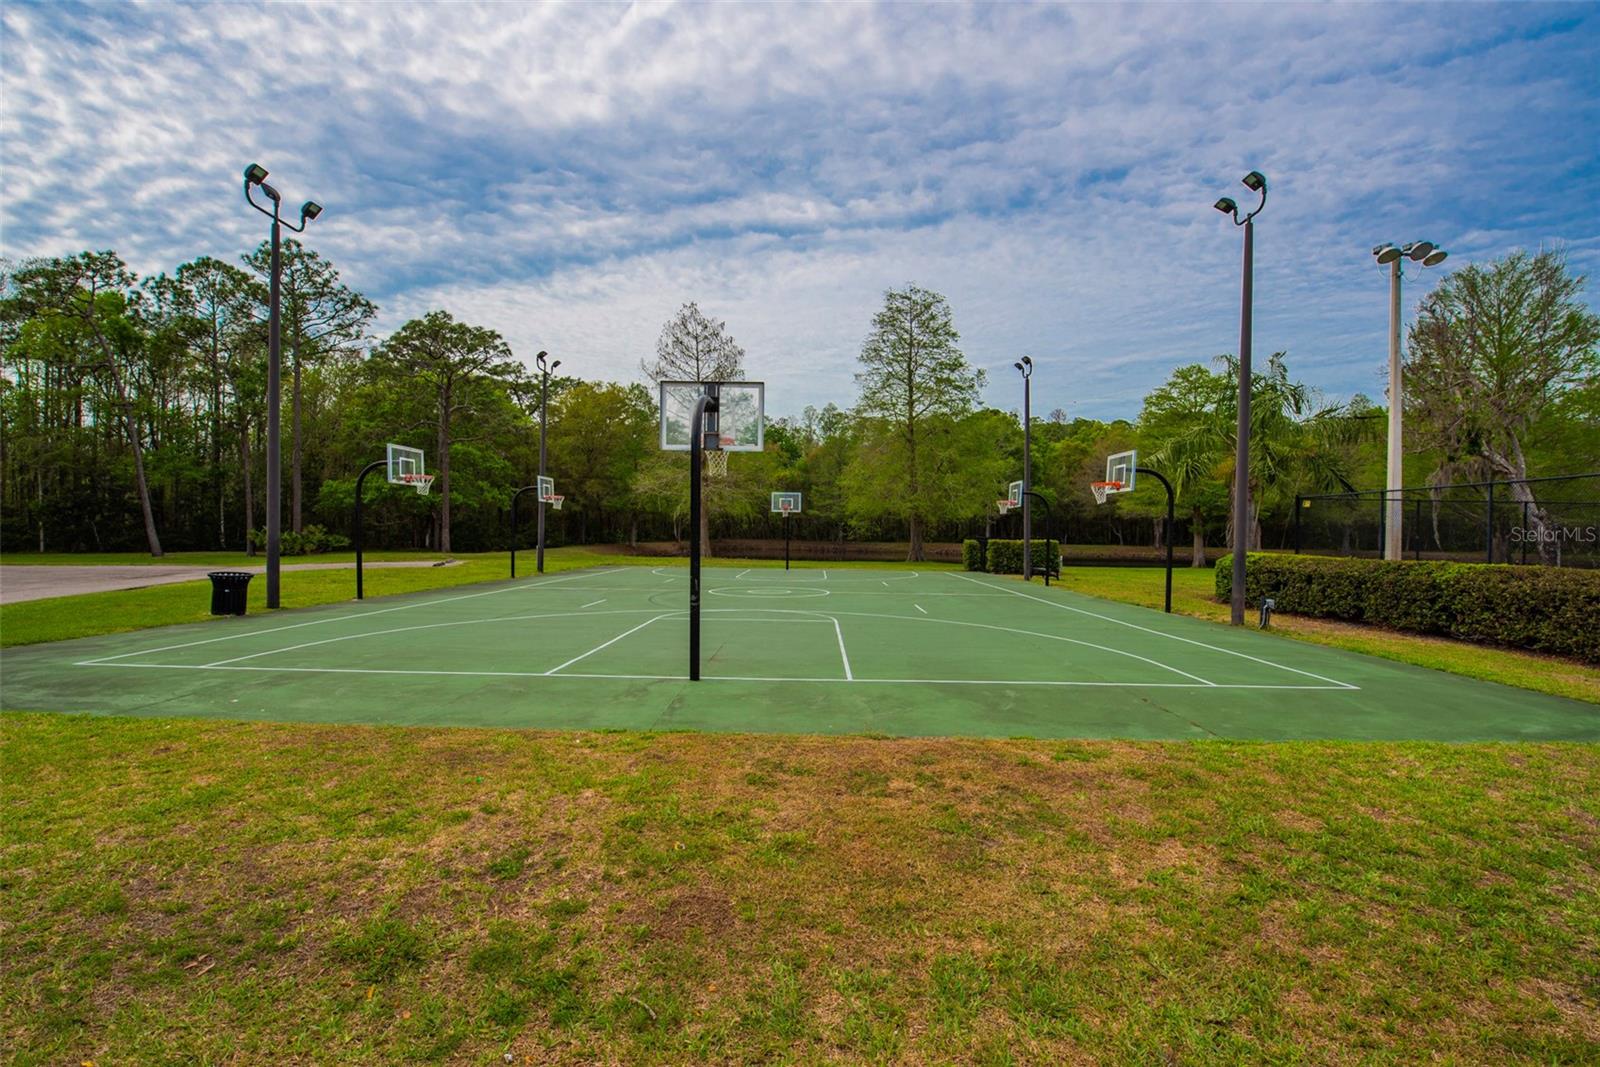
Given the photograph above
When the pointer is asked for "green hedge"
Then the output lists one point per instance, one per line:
(1546, 609)
(311, 541)
(972, 555)
(1005, 557)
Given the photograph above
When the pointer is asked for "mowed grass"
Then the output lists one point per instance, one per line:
(210, 891)
(1194, 593)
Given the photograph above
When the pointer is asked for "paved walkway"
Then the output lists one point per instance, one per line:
(18, 583)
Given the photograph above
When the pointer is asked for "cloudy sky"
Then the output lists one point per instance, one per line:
(569, 175)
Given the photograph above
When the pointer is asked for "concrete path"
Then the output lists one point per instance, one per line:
(24, 582)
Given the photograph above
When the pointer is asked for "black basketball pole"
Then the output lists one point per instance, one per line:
(1027, 546)
(1170, 520)
(785, 540)
(514, 498)
(356, 526)
(707, 404)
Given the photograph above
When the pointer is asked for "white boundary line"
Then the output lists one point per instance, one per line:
(920, 608)
(536, 584)
(839, 632)
(709, 678)
(1158, 633)
(608, 644)
(593, 603)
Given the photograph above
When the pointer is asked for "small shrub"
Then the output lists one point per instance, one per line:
(972, 555)
(310, 541)
(1543, 609)
(1005, 556)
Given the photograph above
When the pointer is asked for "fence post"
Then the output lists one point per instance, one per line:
(1383, 520)
(1297, 506)
(1488, 526)
(1416, 530)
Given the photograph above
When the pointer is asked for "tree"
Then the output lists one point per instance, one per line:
(915, 386)
(1189, 398)
(693, 348)
(321, 316)
(1494, 349)
(450, 358)
(88, 313)
(1296, 442)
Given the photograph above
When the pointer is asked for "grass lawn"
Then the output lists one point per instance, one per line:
(1194, 593)
(224, 560)
(213, 891)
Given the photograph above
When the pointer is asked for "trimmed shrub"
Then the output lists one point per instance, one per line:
(310, 541)
(1545, 609)
(972, 555)
(1005, 556)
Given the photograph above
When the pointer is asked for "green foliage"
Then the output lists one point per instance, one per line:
(1537, 608)
(972, 555)
(308, 542)
(1005, 556)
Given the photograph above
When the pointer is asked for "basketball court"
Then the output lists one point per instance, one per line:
(813, 650)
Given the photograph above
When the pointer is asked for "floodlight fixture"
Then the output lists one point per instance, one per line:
(255, 174)
(556, 364)
(1386, 254)
(1017, 365)
(1226, 205)
(1028, 361)
(1434, 258)
(1255, 181)
(1419, 250)
(310, 209)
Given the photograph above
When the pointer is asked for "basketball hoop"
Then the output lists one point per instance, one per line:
(1004, 506)
(554, 500)
(1101, 489)
(421, 482)
(717, 459)
(786, 507)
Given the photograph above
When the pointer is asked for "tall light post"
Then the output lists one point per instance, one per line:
(1026, 367)
(1429, 255)
(255, 177)
(1256, 182)
(544, 398)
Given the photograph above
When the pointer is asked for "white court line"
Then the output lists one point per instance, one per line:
(920, 608)
(536, 584)
(842, 653)
(1158, 633)
(709, 678)
(608, 644)
(710, 611)
(741, 574)
(592, 603)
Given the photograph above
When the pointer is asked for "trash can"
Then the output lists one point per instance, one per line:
(230, 592)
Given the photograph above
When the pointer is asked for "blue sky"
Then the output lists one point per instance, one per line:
(569, 175)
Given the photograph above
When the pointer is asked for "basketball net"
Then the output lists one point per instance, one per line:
(1100, 489)
(717, 459)
(421, 482)
(555, 501)
(1004, 506)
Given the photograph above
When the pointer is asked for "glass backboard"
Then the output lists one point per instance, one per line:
(405, 464)
(786, 503)
(1121, 467)
(739, 422)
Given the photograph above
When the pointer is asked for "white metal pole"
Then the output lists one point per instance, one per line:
(1395, 480)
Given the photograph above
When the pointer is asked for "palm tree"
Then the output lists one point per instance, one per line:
(1297, 442)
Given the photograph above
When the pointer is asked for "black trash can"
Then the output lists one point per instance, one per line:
(230, 592)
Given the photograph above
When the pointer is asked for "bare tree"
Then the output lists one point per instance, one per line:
(693, 348)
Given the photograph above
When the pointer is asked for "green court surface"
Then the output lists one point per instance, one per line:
(809, 651)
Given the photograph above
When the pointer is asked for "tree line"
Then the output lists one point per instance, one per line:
(132, 415)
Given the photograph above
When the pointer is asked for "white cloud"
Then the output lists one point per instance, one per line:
(569, 174)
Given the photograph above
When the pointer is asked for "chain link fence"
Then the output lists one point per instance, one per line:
(1552, 522)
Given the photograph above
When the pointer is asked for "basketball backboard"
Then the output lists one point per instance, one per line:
(405, 464)
(546, 487)
(739, 422)
(1014, 494)
(786, 503)
(1122, 467)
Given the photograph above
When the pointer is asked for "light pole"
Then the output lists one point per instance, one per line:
(1026, 367)
(255, 176)
(1256, 182)
(1429, 255)
(544, 398)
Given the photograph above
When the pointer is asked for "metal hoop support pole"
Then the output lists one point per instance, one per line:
(376, 464)
(514, 498)
(785, 540)
(706, 404)
(1171, 520)
(1027, 548)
